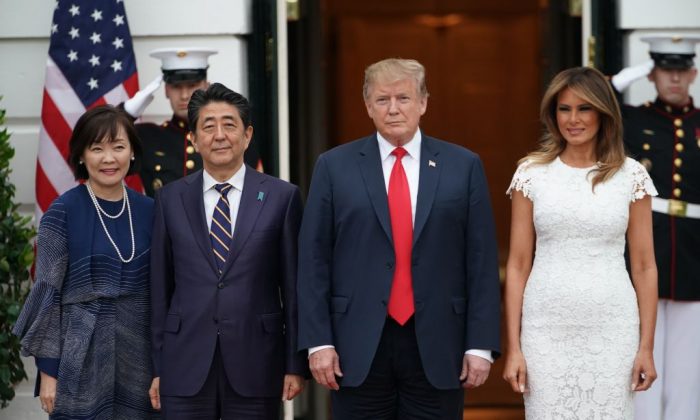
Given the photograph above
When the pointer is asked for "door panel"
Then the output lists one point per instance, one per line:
(482, 73)
(362, 41)
(492, 98)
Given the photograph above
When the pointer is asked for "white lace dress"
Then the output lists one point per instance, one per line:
(580, 321)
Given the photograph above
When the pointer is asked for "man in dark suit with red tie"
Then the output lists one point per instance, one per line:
(223, 277)
(398, 273)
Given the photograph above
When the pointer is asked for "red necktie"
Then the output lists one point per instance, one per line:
(401, 299)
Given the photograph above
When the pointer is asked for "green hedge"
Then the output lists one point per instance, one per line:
(16, 256)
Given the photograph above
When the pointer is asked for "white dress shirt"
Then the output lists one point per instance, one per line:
(211, 195)
(411, 165)
(410, 162)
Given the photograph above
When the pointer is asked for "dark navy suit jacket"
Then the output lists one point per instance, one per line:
(251, 309)
(346, 259)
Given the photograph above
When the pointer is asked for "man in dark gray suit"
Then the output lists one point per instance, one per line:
(223, 277)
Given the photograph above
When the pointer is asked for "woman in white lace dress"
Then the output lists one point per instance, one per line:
(580, 332)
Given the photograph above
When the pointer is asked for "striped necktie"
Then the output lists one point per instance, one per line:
(220, 232)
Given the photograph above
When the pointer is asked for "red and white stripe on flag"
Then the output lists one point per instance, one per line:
(91, 62)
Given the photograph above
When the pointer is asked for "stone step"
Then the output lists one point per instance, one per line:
(24, 406)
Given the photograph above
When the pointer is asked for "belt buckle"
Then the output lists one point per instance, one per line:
(677, 208)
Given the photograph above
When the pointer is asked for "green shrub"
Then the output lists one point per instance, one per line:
(16, 255)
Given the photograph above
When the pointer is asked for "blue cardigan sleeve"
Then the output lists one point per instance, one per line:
(49, 367)
(39, 323)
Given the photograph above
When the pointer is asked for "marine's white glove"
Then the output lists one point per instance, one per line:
(136, 105)
(626, 76)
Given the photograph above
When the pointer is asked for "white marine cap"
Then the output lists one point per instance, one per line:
(183, 64)
(672, 51)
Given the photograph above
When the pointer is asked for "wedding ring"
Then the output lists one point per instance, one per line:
(643, 375)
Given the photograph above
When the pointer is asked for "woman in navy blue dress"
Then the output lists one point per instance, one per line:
(86, 320)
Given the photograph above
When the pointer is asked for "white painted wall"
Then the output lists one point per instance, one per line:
(658, 14)
(24, 43)
(648, 17)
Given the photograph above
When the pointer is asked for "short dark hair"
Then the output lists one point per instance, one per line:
(217, 92)
(95, 125)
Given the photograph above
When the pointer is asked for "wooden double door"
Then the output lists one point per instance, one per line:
(483, 70)
(483, 76)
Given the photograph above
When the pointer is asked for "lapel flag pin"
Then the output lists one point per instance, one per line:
(432, 163)
(260, 195)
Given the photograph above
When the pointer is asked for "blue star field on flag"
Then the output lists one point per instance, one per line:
(91, 44)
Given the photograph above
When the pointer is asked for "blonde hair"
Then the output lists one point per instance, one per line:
(590, 85)
(394, 69)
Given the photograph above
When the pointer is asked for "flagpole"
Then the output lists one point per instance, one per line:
(283, 119)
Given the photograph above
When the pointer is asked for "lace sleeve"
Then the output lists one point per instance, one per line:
(522, 181)
(642, 185)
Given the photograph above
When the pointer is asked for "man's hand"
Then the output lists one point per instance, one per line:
(475, 371)
(293, 385)
(325, 366)
(47, 392)
(136, 105)
(154, 393)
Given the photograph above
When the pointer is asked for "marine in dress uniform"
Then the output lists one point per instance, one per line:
(664, 135)
(168, 153)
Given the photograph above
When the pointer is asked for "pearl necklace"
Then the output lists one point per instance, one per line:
(100, 212)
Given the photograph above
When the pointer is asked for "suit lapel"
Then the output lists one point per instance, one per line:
(371, 168)
(254, 196)
(427, 184)
(193, 203)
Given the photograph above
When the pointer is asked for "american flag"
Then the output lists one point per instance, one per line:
(91, 62)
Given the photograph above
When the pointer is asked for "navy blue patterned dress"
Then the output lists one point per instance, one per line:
(86, 320)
